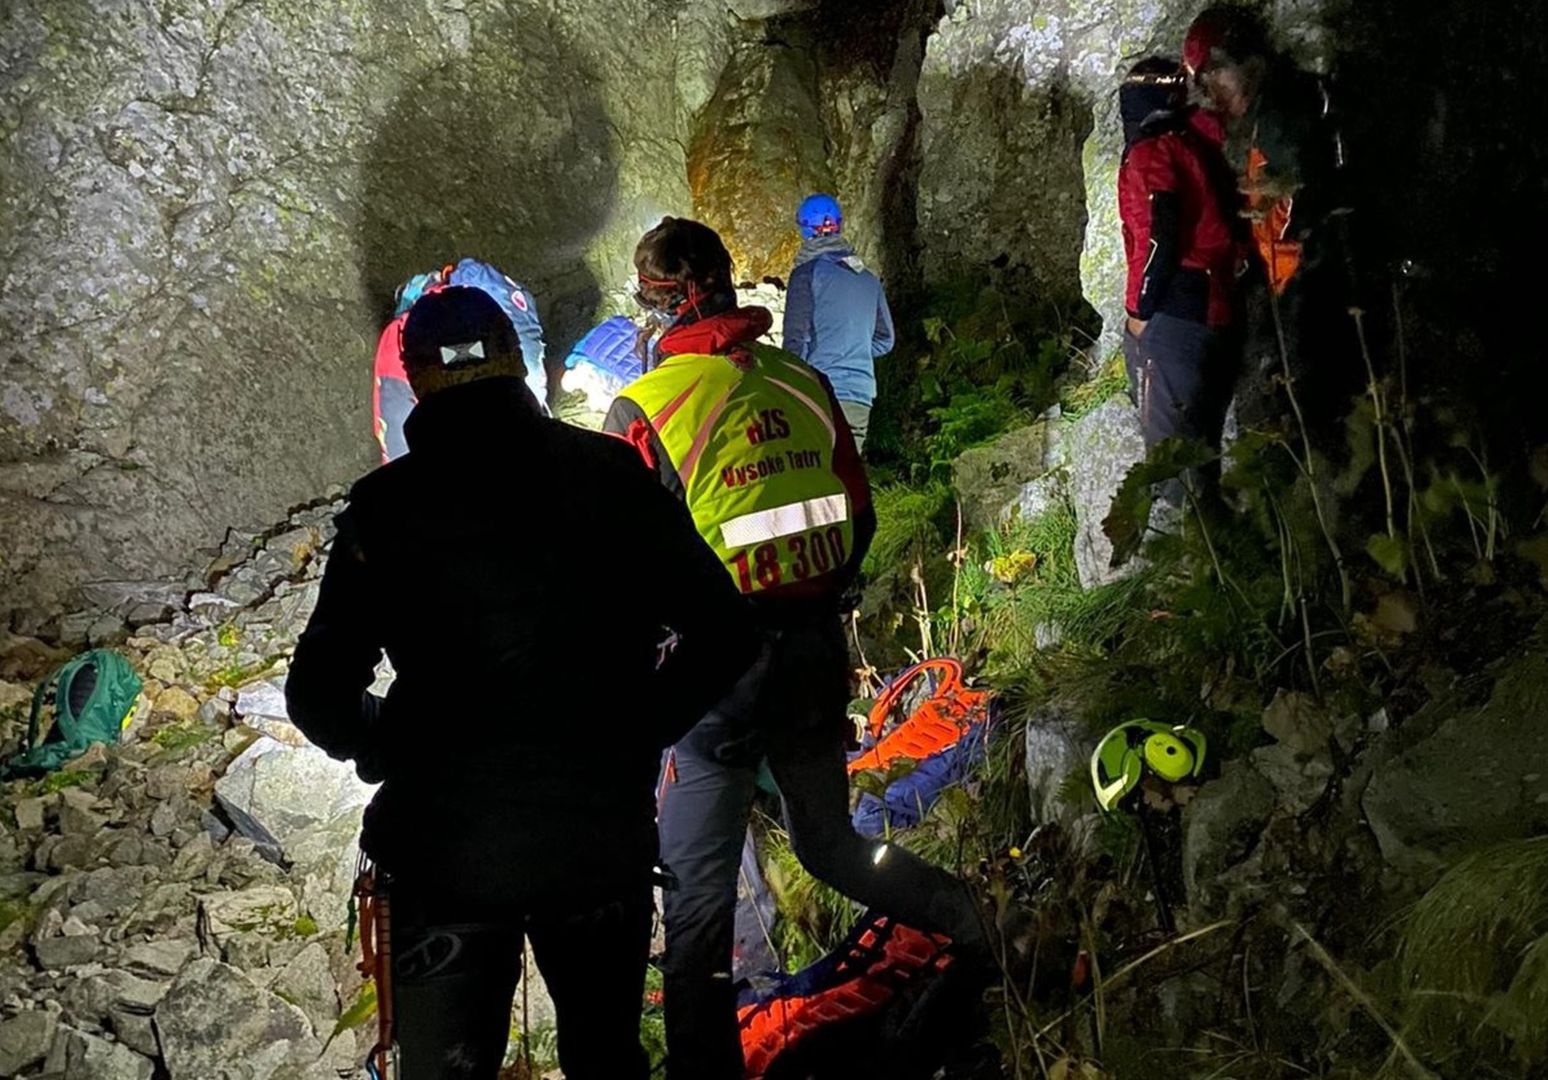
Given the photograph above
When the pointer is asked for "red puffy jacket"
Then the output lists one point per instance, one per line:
(1201, 283)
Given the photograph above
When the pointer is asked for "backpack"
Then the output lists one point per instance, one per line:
(874, 966)
(94, 700)
(604, 362)
(944, 734)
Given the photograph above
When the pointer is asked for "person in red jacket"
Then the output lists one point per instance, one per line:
(1181, 234)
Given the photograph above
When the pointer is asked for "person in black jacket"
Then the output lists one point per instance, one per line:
(554, 622)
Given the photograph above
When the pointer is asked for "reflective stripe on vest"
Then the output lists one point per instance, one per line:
(783, 520)
(753, 446)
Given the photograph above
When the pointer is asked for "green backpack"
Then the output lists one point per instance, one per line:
(94, 700)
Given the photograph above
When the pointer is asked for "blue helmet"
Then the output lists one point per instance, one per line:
(819, 216)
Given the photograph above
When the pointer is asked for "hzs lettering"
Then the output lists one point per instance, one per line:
(770, 425)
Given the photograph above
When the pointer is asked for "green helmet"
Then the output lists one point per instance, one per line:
(1172, 752)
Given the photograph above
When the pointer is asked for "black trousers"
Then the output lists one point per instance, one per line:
(1180, 376)
(703, 816)
(457, 962)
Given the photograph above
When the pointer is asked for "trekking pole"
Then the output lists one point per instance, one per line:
(1163, 909)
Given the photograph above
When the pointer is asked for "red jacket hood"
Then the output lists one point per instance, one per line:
(718, 333)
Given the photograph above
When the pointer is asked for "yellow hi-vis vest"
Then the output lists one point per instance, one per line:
(753, 445)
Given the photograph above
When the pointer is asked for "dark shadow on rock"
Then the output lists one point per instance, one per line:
(502, 153)
(881, 44)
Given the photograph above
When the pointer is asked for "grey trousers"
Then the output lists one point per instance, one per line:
(859, 417)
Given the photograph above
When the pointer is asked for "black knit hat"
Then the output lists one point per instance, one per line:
(458, 335)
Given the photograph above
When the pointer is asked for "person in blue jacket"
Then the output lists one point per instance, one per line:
(391, 396)
(836, 316)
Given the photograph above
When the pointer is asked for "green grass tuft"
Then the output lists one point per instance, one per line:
(175, 738)
(1474, 957)
(910, 520)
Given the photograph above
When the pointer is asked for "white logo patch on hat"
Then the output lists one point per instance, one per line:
(452, 355)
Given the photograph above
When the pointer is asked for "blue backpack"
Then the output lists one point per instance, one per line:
(511, 295)
(605, 361)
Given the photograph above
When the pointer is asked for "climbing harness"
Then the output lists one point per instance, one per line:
(375, 915)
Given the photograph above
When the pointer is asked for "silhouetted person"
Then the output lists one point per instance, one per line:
(1281, 141)
(522, 576)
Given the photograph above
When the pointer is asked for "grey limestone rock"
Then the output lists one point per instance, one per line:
(77, 1055)
(25, 1039)
(161, 957)
(307, 982)
(1481, 775)
(1221, 826)
(274, 791)
(1100, 447)
(214, 1017)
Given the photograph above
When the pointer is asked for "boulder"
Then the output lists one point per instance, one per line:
(162, 957)
(56, 953)
(990, 481)
(1222, 825)
(98, 995)
(757, 151)
(269, 910)
(261, 700)
(307, 983)
(1297, 721)
(273, 791)
(214, 1016)
(1479, 776)
(1300, 779)
(325, 860)
(30, 813)
(261, 706)
(25, 1040)
(1101, 447)
(77, 1055)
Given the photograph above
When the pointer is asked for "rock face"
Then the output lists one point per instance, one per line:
(1002, 123)
(1021, 140)
(206, 210)
(1480, 777)
(757, 152)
